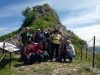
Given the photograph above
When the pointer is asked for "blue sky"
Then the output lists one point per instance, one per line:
(80, 16)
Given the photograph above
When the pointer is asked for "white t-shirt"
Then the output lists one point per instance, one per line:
(70, 48)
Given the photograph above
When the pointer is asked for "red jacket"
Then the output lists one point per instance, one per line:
(28, 51)
(38, 47)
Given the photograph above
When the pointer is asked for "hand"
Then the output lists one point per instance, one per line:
(30, 54)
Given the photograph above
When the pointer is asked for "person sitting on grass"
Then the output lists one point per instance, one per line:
(29, 54)
(38, 52)
(41, 54)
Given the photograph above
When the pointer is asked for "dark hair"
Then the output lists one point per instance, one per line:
(29, 42)
(55, 31)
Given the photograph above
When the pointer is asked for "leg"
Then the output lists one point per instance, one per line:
(49, 48)
(64, 56)
(61, 57)
(39, 58)
(70, 59)
(57, 52)
(33, 58)
(25, 59)
(52, 51)
(46, 56)
(22, 54)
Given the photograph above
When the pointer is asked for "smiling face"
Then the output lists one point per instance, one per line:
(26, 29)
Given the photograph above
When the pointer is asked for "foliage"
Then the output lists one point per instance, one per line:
(39, 16)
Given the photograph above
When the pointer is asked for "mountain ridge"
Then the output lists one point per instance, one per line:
(97, 49)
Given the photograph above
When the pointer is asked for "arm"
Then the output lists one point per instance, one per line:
(20, 40)
(73, 49)
(25, 51)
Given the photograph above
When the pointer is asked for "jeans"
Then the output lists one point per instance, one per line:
(29, 59)
(55, 48)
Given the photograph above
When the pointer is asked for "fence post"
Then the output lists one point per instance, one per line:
(78, 54)
(81, 53)
(3, 47)
(86, 52)
(93, 63)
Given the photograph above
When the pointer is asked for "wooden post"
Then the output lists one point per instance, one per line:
(78, 54)
(93, 53)
(81, 52)
(3, 47)
(10, 61)
(86, 52)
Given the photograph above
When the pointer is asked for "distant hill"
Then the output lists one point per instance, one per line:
(42, 16)
(97, 49)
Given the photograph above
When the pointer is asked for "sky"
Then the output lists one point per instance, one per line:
(80, 16)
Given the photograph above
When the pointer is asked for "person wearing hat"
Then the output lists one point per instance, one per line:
(24, 38)
(37, 38)
(70, 50)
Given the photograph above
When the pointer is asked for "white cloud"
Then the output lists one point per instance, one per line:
(17, 8)
(59, 5)
(89, 17)
(85, 24)
(5, 30)
(87, 33)
(2, 29)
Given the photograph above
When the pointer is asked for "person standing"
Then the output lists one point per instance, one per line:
(48, 42)
(24, 38)
(56, 41)
(42, 35)
(37, 38)
(32, 37)
(63, 51)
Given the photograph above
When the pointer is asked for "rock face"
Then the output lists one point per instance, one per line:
(44, 16)
(37, 17)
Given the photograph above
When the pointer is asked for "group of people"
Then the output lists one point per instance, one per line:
(45, 45)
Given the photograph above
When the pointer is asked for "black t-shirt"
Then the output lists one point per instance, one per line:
(47, 35)
(25, 37)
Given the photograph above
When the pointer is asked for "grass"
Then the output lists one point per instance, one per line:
(48, 68)
(5, 71)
